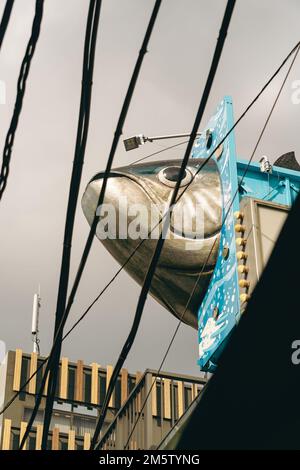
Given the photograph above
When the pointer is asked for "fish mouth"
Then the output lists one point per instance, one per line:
(185, 234)
(154, 199)
(185, 258)
(191, 236)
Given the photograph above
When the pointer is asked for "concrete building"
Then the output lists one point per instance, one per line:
(80, 392)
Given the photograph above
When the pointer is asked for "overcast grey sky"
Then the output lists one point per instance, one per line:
(32, 211)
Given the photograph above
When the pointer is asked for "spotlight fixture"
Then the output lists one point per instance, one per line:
(136, 141)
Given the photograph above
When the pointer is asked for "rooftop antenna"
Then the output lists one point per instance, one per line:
(35, 322)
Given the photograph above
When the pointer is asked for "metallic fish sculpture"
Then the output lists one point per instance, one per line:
(139, 194)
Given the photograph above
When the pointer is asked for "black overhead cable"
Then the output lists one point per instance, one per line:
(43, 361)
(21, 86)
(23, 386)
(5, 19)
(158, 152)
(118, 133)
(80, 146)
(81, 139)
(128, 259)
(211, 250)
(151, 269)
(296, 48)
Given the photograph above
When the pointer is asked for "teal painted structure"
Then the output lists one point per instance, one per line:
(220, 310)
(281, 186)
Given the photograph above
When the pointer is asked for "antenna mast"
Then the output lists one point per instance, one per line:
(35, 322)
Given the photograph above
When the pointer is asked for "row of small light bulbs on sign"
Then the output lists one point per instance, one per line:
(242, 256)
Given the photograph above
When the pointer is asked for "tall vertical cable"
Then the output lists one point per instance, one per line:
(81, 139)
(21, 87)
(151, 269)
(118, 133)
(5, 19)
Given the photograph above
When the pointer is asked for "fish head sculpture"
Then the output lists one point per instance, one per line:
(132, 216)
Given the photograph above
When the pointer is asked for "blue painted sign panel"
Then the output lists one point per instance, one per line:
(220, 309)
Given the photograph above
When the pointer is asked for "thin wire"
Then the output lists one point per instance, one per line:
(186, 411)
(212, 248)
(117, 134)
(92, 231)
(43, 361)
(23, 386)
(5, 19)
(160, 243)
(170, 345)
(158, 152)
(119, 129)
(149, 233)
(21, 87)
(81, 139)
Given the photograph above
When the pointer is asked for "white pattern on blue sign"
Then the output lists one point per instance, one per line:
(223, 293)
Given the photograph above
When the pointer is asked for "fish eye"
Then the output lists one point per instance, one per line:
(169, 176)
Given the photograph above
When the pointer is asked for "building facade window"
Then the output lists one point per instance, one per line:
(102, 387)
(57, 388)
(24, 377)
(83, 424)
(187, 397)
(118, 394)
(175, 401)
(158, 398)
(32, 442)
(15, 440)
(39, 419)
(71, 383)
(40, 373)
(63, 421)
(87, 386)
(63, 444)
(131, 383)
(79, 445)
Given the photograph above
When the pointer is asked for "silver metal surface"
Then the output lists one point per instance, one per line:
(183, 257)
